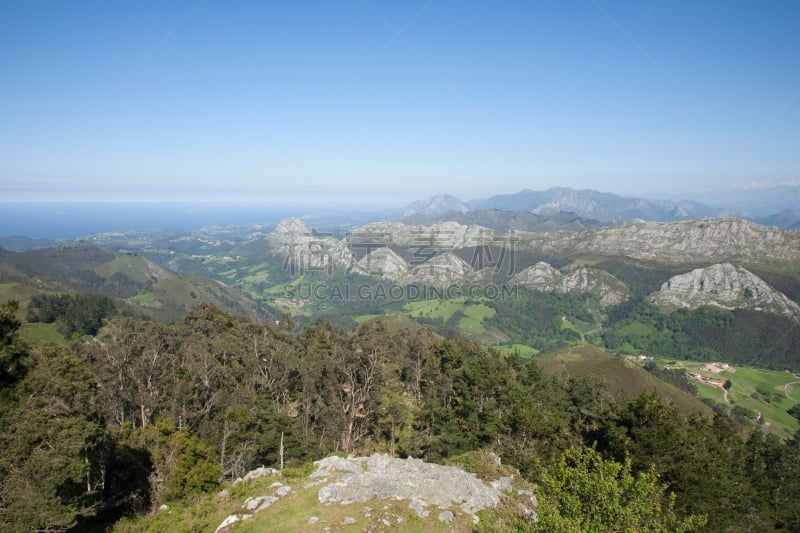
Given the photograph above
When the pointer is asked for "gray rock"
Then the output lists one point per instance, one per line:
(418, 506)
(348, 520)
(468, 508)
(529, 513)
(335, 465)
(503, 484)
(227, 524)
(292, 240)
(443, 270)
(446, 516)
(541, 276)
(728, 286)
(717, 240)
(534, 501)
(606, 287)
(282, 491)
(258, 473)
(441, 235)
(313, 520)
(404, 479)
(256, 504)
(384, 263)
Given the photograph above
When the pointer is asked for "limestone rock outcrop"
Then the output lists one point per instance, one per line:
(728, 286)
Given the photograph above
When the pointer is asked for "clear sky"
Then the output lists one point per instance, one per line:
(156, 99)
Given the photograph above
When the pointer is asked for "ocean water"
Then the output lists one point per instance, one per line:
(54, 220)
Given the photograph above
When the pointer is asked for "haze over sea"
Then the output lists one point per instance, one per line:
(54, 220)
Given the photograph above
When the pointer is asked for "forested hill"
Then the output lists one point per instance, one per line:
(135, 283)
(147, 413)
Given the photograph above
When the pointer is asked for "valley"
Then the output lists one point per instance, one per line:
(381, 319)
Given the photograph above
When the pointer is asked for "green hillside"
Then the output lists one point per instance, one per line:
(134, 267)
(753, 390)
(623, 379)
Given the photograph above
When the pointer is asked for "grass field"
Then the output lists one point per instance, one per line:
(134, 267)
(622, 378)
(524, 351)
(145, 298)
(471, 324)
(475, 315)
(442, 309)
(40, 333)
(753, 389)
(16, 291)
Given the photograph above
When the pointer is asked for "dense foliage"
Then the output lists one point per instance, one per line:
(75, 313)
(744, 337)
(534, 318)
(146, 412)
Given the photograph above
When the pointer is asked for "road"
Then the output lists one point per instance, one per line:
(786, 389)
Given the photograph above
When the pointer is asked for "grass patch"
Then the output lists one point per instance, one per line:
(364, 318)
(442, 309)
(41, 333)
(622, 378)
(523, 350)
(748, 389)
(472, 322)
(145, 298)
(566, 324)
(17, 291)
(290, 513)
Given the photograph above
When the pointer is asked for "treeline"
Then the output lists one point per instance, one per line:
(145, 413)
(744, 337)
(75, 313)
(535, 318)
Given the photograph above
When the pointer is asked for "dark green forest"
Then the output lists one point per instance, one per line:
(144, 413)
(706, 333)
(75, 313)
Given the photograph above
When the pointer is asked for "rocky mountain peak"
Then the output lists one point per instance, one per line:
(728, 286)
(541, 276)
(306, 250)
(441, 235)
(679, 242)
(443, 270)
(291, 228)
(384, 263)
(439, 203)
(606, 287)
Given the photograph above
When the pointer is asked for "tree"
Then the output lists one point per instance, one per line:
(586, 493)
(12, 353)
(53, 447)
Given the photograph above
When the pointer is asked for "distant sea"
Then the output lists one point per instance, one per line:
(54, 220)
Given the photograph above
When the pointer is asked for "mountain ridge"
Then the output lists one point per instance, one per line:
(764, 205)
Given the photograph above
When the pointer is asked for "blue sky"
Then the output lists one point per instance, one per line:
(388, 100)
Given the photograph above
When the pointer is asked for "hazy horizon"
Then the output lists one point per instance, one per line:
(155, 101)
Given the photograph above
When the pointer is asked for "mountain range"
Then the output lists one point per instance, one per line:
(768, 205)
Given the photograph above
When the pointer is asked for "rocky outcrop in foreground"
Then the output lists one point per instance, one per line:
(436, 493)
(422, 484)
